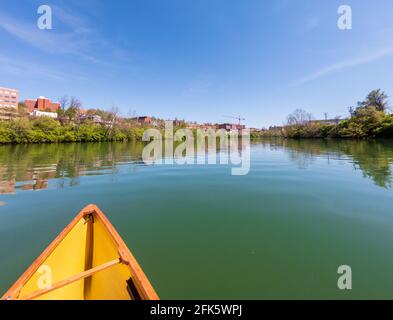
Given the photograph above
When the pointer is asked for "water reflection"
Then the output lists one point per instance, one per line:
(33, 167)
(373, 158)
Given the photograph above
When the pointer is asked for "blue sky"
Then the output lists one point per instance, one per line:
(200, 59)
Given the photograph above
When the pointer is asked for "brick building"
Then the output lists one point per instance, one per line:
(230, 126)
(207, 126)
(41, 104)
(8, 98)
(143, 120)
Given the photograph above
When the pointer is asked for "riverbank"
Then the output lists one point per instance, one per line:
(365, 123)
(369, 120)
(48, 130)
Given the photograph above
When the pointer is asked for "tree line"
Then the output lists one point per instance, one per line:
(369, 119)
(69, 127)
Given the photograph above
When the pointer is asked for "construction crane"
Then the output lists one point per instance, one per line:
(239, 118)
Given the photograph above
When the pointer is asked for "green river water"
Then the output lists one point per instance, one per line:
(282, 231)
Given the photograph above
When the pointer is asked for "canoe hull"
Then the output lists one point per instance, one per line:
(89, 244)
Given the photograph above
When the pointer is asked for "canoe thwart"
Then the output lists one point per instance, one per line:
(72, 279)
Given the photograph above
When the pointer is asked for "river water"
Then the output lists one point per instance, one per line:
(282, 231)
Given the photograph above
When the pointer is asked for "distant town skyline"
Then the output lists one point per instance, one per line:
(200, 60)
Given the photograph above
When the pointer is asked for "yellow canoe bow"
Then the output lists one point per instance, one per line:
(88, 260)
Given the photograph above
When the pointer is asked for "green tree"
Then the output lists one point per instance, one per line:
(6, 134)
(20, 128)
(376, 98)
(46, 124)
(22, 109)
(385, 128)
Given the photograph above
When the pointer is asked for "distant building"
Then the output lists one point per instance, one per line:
(178, 123)
(207, 126)
(8, 114)
(9, 98)
(231, 126)
(41, 104)
(37, 114)
(91, 117)
(83, 112)
(143, 120)
(192, 125)
(328, 121)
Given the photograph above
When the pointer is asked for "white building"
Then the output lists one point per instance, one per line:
(94, 118)
(37, 113)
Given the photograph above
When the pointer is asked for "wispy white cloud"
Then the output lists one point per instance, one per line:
(70, 19)
(340, 66)
(79, 40)
(16, 67)
(73, 42)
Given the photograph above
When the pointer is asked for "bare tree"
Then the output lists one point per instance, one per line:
(75, 103)
(73, 110)
(299, 117)
(114, 111)
(63, 102)
(131, 113)
(113, 119)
